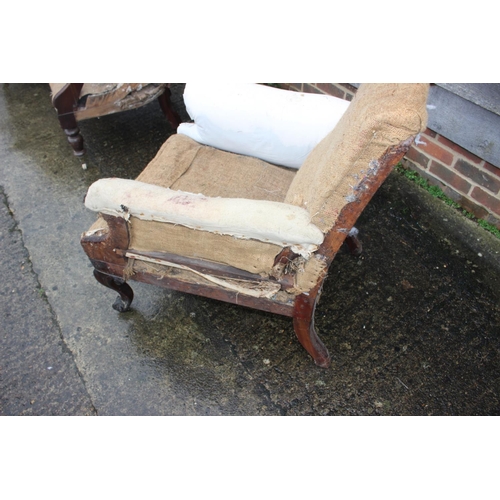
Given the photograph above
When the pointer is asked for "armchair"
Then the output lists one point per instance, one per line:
(80, 101)
(241, 229)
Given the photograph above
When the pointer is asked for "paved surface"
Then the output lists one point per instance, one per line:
(412, 324)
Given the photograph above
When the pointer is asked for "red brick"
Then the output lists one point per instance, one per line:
(493, 220)
(491, 168)
(433, 149)
(417, 157)
(431, 179)
(458, 149)
(331, 89)
(478, 176)
(486, 199)
(449, 177)
(308, 87)
(466, 203)
(350, 88)
(429, 132)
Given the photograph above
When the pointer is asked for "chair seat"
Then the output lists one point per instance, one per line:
(185, 165)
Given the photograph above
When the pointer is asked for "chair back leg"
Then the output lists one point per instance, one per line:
(65, 102)
(168, 110)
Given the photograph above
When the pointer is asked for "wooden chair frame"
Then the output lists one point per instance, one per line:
(110, 254)
(67, 103)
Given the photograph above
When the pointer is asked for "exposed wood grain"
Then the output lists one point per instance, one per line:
(305, 304)
(102, 246)
(209, 291)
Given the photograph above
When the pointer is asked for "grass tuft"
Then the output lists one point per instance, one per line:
(437, 192)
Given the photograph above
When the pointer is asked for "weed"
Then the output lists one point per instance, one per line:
(437, 192)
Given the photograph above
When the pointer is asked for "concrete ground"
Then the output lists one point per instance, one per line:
(413, 324)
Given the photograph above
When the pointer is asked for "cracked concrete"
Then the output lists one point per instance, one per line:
(412, 324)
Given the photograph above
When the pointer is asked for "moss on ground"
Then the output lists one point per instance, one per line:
(437, 192)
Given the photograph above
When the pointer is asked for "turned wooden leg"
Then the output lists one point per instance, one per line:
(126, 295)
(168, 111)
(75, 139)
(353, 242)
(303, 323)
(65, 102)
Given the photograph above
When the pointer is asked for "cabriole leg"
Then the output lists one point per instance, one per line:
(126, 295)
(303, 323)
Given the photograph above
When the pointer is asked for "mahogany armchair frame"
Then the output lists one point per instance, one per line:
(109, 254)
(67, 102)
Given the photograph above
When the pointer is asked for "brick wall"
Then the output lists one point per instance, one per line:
(467, 179)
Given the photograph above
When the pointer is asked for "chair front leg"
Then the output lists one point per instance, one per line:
(126, 294)
(303, 323)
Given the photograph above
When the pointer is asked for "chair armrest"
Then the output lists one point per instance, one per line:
(268, 221)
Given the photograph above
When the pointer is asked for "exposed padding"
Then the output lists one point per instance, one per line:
(260, 288)
(186, 165)
(307, 277)
(275, 125)
(262, 220)
(380, 116)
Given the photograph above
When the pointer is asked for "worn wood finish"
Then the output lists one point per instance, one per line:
(110, 245)
(210, 268)
(209, 291)
(70, 108)
(305, 304)
(203, 266)
(107, 251)
(65, 102)
(303, 324)
(126, 295)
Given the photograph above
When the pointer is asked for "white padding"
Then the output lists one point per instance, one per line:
(269, 221)
(275, 125)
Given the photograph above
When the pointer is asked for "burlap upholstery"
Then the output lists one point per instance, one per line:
(381, 115)
(185, 165)
(250, 255)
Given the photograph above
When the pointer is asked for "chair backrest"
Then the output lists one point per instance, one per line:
(380, 116)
